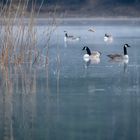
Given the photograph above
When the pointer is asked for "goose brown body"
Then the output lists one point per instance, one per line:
(71, 38)
(93, 56)
(120, 57)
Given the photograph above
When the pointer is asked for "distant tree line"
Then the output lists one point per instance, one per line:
(46, 1)
(123, 1)
(64, 2)
(85, 1)
(73, 2)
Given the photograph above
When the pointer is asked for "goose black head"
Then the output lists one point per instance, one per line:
(126, 45)
(84, 48)
(87, 49)
(106, 35)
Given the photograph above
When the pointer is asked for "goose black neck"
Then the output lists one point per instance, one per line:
(106, 35)
(66, 34)
(88, 51)
(125, 50)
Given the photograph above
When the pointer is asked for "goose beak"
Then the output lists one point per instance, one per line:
(83, 48)
(126, 45)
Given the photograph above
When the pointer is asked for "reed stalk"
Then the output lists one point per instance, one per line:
(18, 34)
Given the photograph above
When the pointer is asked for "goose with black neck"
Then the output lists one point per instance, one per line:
(93, 56)
(120, 57)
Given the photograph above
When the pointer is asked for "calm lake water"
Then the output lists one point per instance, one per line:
(71, 99)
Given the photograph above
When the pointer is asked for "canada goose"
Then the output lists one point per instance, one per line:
(120, 57)
(108, 38)
(91, 56)
(70, 37)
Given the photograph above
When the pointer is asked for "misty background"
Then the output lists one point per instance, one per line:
(83, 8)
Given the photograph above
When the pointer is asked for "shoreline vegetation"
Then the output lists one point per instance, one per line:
(21, 54)
(20, 44)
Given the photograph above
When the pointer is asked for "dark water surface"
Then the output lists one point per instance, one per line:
(73, 100)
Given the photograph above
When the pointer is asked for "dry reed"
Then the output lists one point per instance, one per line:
(18, 34)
